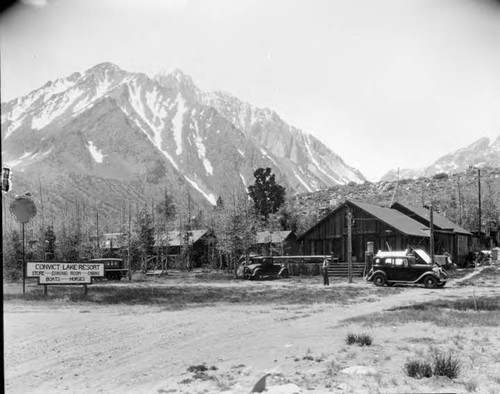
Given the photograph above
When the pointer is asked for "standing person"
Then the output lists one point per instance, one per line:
(324, 267)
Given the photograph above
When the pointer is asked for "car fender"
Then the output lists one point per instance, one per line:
(422, 277)
(282, 270)
(370, 277)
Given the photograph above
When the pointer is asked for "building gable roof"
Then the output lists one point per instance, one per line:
(439, 221)
(264, 237)
(393, 218)
(176, 238)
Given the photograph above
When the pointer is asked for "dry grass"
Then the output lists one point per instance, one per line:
(481, 311)
(183, 291)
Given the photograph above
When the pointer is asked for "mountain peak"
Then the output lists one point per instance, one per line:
(102, 67)
(178, 81)
(176, 78)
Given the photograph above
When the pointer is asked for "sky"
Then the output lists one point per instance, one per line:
(385, 84)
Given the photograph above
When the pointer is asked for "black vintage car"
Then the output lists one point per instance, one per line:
(114, 269)
(402, 268)
(263, 266)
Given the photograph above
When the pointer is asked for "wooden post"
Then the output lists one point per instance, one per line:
(45, 291)
(129, 234)
(431, 240)
(24, 264)
(349, 245)
(479, 204)
(85, 290)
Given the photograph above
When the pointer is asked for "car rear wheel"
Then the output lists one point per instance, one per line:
(379, 280)
(285, 274)
(259, 275)
(430, 282)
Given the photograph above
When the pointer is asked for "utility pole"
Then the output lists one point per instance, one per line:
(431, 240)
(479, 202)
(349, 245)
(129, 234)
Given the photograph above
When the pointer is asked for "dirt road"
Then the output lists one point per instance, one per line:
(84, 348)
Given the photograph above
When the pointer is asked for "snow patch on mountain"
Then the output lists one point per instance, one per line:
(306, 186)
(19, 160)
(178, 122)
(264, 152)
(157, 141)
(202, 150)
(95, 153)
(210, 197)
(307, 142)
(243, 180)
(56, 106)
(157, 107)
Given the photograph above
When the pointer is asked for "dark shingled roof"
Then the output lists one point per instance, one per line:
(263, 237)
(175, 238)
(439, 221)
(395, 219)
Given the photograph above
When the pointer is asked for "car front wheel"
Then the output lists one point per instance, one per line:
(259, 275)
(379, 280)
(246, 273)
(430, 282)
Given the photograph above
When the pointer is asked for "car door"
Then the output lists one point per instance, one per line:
(400, 268)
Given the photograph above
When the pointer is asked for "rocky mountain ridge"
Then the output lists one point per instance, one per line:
(108, 134)
(455, 196)
(481, 153)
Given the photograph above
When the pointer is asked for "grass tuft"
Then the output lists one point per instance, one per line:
(351, 339)
(361, 339)
(446, 365)
(418, 369)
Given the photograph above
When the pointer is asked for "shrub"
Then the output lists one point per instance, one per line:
(364, 340)
(418, 369)
(446, 365)
(441, 175)
(361, 340)
(351, 339)
(199, 368)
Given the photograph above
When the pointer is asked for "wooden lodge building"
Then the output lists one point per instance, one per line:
(396, 228)
(448, 236)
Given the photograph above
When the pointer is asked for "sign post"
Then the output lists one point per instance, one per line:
(349, 245)
(64, 272)
(23, 209)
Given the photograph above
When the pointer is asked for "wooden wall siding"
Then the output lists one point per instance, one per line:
(330, 236)
(461, 249)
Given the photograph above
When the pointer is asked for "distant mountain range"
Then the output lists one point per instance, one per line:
(109, 135)
(482, 153)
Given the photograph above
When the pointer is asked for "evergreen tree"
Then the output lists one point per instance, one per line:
(50, 243)
(267, 195)
(13, 257)
(145, 239)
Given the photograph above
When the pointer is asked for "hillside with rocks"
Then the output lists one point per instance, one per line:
(455, 196)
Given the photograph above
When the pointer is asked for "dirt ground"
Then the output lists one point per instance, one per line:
(87, 348)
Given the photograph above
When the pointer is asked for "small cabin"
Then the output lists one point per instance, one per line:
(282, 243)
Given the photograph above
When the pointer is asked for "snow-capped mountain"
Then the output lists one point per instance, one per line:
(132, 135)
(483, 152)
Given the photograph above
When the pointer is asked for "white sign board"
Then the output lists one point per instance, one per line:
(64, 273)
